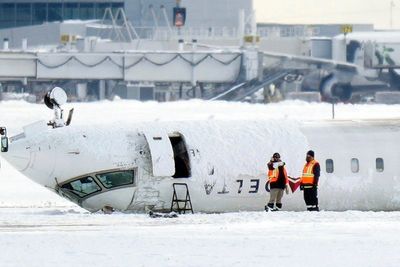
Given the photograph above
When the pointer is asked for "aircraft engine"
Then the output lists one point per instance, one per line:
(333, 90)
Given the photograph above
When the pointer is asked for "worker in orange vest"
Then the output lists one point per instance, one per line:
(309, 181)
(278, 181)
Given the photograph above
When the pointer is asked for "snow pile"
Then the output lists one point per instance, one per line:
(15, 114)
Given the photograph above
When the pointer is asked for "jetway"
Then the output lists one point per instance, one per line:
(165, 66)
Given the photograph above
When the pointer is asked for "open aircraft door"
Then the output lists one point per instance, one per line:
(162, 154)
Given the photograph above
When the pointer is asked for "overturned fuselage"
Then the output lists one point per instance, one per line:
(223, 163)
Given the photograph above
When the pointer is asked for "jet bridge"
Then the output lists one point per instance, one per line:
(153, 66)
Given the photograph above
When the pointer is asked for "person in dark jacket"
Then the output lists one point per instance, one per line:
(278, 181)
(309, 181)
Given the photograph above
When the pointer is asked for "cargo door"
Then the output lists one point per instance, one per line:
(162, 154)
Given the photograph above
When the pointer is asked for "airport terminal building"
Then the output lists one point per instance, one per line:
(205, 13)
(63, 26)
(91, 50)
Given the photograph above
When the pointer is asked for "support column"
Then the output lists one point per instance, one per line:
(241, 27)
(81, 91)
(102, 90)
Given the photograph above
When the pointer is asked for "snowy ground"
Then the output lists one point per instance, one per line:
(37, 228)
(67, 237)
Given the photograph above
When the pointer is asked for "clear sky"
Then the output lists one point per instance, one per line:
(329, 11)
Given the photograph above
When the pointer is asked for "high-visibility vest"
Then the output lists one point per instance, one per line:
(273, 175)
(308, 175)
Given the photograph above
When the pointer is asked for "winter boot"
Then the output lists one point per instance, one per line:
(313, 208)
(269, 207)
(278, 207)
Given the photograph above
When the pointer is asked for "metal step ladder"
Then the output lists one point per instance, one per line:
(187, 203)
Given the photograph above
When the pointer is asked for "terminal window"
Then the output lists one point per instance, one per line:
(87, 11)
(39, 13)
(24, 14)
(7, 15)
(71, 11)
(54, 12)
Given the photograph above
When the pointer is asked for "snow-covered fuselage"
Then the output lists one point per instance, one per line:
(132, 167)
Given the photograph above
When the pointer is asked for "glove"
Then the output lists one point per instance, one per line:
(278, 164)
(287, 189)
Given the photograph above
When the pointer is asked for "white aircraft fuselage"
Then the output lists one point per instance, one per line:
(131, 167)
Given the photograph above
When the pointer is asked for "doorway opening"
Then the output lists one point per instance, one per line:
(181, 156)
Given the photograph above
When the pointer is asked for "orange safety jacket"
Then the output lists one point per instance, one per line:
(273, 175)
(307, 177)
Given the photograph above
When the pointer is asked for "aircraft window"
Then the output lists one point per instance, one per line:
(355, 166)
(82, 187)
(115, 179)
(329, 165)
(379, 165)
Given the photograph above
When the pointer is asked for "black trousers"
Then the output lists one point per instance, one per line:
(311, 197)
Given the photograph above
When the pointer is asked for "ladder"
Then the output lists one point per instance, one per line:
(175, 200)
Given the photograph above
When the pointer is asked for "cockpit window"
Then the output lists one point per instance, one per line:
(82, 187)
(115, 179)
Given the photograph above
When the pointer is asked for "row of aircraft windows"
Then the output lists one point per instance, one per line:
(355, 165)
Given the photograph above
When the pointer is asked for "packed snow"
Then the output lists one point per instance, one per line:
(37, 228)
(67, 237)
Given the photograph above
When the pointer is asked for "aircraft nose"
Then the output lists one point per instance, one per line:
(18, 155)
(34, 159)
